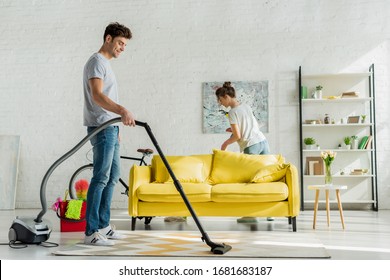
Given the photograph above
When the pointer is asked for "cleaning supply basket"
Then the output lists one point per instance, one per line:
(71, 214)
(67, 224)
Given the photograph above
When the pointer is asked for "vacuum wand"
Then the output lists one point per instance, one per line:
(216, 248)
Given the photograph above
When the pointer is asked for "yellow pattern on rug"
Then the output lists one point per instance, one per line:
(189, 244)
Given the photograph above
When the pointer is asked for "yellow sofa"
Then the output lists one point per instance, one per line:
(220, 184)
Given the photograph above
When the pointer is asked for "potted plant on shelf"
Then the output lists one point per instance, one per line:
(309, 143)
(355, 142)
(363, 118)
(347, 142)
(317, 94)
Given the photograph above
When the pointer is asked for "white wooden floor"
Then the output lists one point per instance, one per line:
(366, 237)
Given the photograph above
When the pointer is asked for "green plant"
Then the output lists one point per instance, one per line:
(319, 87)
(354, 137)
(363, 118)
(309, 141)
(347, 140)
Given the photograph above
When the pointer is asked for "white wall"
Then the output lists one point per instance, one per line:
(177, 45)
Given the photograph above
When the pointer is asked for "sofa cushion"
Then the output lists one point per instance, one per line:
(187, 169)
(233, 167)
(253, 192)
(270, 173)
(159, 192)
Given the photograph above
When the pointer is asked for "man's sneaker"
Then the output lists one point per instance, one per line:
(97, 239)
(110, 232)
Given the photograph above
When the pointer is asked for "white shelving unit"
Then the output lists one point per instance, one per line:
(362, 189)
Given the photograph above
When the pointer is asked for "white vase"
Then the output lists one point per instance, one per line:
(355, 144)
(317, 94)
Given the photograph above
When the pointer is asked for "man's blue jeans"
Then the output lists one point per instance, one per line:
(106, 173)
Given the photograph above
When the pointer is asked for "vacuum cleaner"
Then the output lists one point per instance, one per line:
(36, 231)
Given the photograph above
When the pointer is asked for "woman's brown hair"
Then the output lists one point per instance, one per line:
(226, 89)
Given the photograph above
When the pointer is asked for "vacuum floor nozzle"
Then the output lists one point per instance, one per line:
(221, 249)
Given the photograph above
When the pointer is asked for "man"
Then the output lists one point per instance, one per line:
(101, 105)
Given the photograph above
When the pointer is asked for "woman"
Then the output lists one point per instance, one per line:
(244, 128)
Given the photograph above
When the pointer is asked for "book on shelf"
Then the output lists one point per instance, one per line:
(368, 144)
(363, 142)
(358, 172)
(349, 94)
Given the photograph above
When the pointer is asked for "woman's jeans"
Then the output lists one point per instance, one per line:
(106, 173)
(261, 148)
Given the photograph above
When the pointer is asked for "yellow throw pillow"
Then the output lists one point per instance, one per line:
(233, 167)
(186, 169)
(271, 173)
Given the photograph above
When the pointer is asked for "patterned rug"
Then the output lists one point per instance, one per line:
(189, 244)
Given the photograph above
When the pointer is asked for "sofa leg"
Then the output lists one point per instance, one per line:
(294, 223)
(133, 221)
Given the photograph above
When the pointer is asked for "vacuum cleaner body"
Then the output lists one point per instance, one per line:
(27, 231)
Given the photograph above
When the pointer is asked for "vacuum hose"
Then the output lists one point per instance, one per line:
(216, 248)
(62, 159)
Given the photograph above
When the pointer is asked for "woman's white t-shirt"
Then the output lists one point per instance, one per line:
(242, 115)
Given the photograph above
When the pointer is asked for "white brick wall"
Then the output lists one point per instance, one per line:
(177, 45)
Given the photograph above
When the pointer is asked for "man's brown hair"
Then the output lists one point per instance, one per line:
(116, 29)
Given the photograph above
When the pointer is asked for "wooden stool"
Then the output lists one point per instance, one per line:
(337, 188)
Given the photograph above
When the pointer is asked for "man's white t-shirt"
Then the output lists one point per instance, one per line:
(98, 66)
(242, 115)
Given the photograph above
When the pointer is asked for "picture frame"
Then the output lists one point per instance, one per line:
(353, 119)
(314, 166)
(215, 116)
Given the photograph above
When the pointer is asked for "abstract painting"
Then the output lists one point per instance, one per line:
(255, 94)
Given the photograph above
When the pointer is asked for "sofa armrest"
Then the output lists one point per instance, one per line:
(138, 175)
(292, 181)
